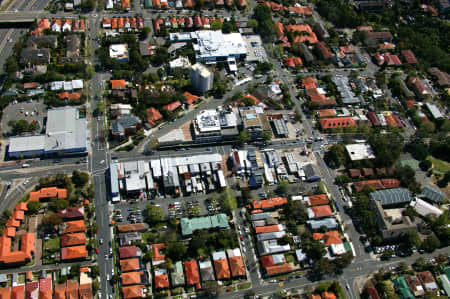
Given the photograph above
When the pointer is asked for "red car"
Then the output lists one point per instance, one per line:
(229, 290)
(282, 279)
(242, 238)
(96, 251)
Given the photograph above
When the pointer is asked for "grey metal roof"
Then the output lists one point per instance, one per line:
(311, 170)
(176, 274)
(391, 196)
(65, 130)
(120, 124)
(328, 222)
(27, 143)
(432, 194)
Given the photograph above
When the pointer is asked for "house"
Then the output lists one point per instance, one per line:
(409, 57)
(118, 84)
(372, 38)
(32, 290)
(73, 239)
(237, 267)
(443, 78)
(415, 286)
(73, 253)
(73, 227)
(372, 292)
(158, 256)
(190, 98)
(316, 200)
(319, 212)
(192, 274)
(269, 204)
(131, 292)
(161, 278)
(125, 126)
(172, 106)
(189, 225)
(432, 194)
(323, 51)
(390, 222)
(153, 116)
(221, 265)
(56, 26)
(118, 110)
(126, 4)
(35, 56)
(42, 41)
(128, 265)
(428, 281)
(328, 238)
(42, 25)
(206, 270)
(73, 44)
(48, 193)
(177, 274)
(131, 278)
(45, 288)
(418, 87)
(72, 213)
(67, 25)
(129, 252)
(337, 122)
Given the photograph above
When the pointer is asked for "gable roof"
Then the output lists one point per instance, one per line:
(330, 237)
(72, 212)
(269, 203)
(131, 278)
(5, 293)
(153, 116)
(72, 289)
(222, 269)
(161, 279)
(74, 252)
(118, 84)
(172, 106)
(432, 194)
(129, 265)
(129, 251)
(124, 228)
(18, 292)
(409, 56)
(136, 291)
(320, 211)
(192, 274)
(237, 266)
(60, 291)
(75, 226)
(73, 239)
(337, 122)
(391, 196)
(318, 199)
(268, 228)
(157, 252)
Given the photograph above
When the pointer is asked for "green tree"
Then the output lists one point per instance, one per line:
(298, 114)
(153, 214)
(52, 220)
(216, 25)
(266, 135)
(161, 56)
(145, 32)
(336, 155)
(153, 144)
(176, 251)
(243, 137)
(33, 207)
(11, 66)
(425, 165)
(283, 187)
(410, 240)
(79, 178)
(431, 243)
(314, 249)
(229, 202)
(58, 204)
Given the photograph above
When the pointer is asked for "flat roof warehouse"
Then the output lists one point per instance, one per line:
(66, 133)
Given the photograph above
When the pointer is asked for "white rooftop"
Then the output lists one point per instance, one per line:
(28, 143)
(216, 44)
(359, 151)
(208, 121)
(118, 50)
(424, 208)
(337, 249)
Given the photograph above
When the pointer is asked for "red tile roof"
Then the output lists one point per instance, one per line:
(364, 28)
(328, 295)
(29, 85)
(129, 265)
(153, 116)
(279, 269)
(269, 203)
(158, 252)
(69, 96)
(337, 122)
(267, 229)
(73, 239)
(319, 199)
(190, 98)
(373, 293)
(307, 36)
(222, 269)
(5, 293)
(50, 192)
(18, 292)
(323, 50)
(75, 226)
(327, 112)
(130, 292)
(128, 252)
(192, 275)
(45, 288)
(10, 231)
(161, 281)
(74, 252)
(118, 84)
(32, 289)
(409, 56)
(72, 289)
(86, 291)
(60, 291)
(376, 184)
(237, 266)
(125, 228)
(322, 211)
(72, 212)
(172, 106)
(21, 206)
(126, 4)
(27, 244)
(131, 278)
(331, 237)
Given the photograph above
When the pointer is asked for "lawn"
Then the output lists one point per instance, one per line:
(439, 165)
(290, 258)
(51, 247)
(244, 286)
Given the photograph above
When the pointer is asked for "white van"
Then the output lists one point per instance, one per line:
(25, 165)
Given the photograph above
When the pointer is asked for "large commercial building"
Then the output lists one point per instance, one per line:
(215, 126)
(65, 134)
(211, 46)
(202, 78)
